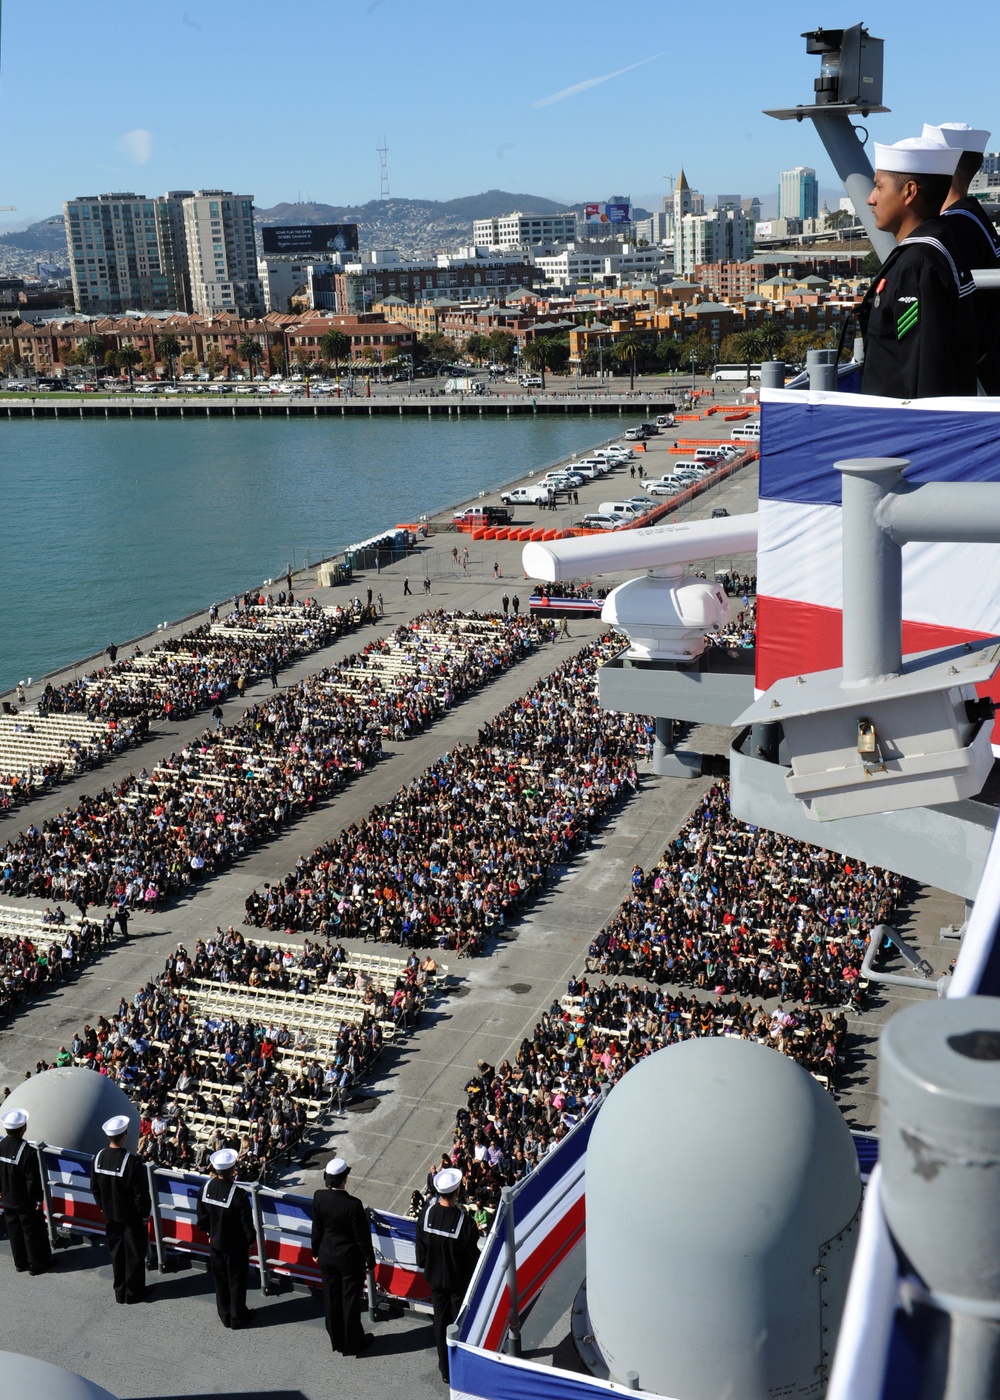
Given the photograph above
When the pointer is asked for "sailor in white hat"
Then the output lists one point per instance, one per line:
(973, 240)
(21, 1191)
(226, 1216)
(120, 1189)
(447, 1251)
(917, 318)
(342, 1246)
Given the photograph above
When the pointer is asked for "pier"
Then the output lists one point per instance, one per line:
(302, 406)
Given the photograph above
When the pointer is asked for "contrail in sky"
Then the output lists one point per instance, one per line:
(591, 82)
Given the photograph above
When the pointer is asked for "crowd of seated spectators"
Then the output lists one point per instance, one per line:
(149, 837)
(725, 909)
(478, 834)
(179, 676)
(204, 1081)
(31, 964)
(741, 910)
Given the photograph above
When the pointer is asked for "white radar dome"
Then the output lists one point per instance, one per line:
(66, 1108)
(666, 619)
(723, 1193)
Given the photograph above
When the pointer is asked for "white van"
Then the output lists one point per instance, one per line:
(620, 510)
(746, 432)
(708, 454)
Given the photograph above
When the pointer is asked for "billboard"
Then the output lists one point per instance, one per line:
(616, 212)
(296, 240)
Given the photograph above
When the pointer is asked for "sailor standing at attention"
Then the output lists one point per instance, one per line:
(225, 1214)
(342, 1246)
(21, 1191)
(973, 239)
(118, 1183)
(917, 317)
(447, 1251)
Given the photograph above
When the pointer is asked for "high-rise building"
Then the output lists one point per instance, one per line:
(222, 253)
(798, 194)
(125, 253)
(725, 235)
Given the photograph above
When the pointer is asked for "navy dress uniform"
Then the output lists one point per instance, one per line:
(342, 1246)
(918, 315)
(447, 1252)
(119, 1186)
(972, 238)
(225, 1214)
(22, 1196)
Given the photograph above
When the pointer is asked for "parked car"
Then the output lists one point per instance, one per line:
(634, 435)
(598, 521)
(666, 487)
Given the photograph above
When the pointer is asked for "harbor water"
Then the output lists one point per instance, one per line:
(108, 529)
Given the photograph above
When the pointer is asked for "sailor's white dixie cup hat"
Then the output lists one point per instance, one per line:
(917, 155)
(114, 1127)
(16, 1118)
(960, 135)
(224, 1159)
(447, 1180)
(336, 1167)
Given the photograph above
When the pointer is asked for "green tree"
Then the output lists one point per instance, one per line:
(771, 337)
(626, 350)
(748, 344)
(477, 347)
(90, 347)
(546, 352)
(336, 346)
(251, 352)
(214, 362)
(127, 359)
(435, 349)
(871, 264)
(168, 347)
(670, 351)
(501, 345)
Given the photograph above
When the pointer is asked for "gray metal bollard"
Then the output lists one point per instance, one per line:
(939, 1086)
(772, 374)
(821, 366)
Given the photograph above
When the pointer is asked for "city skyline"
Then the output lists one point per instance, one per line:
(596, 111)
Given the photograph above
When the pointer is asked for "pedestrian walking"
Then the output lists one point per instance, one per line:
(118, 1185)
(122, 917)
(217, 716)
(225, 1215)
(342, 1246)
(381, 605)
(447, 1252)
(22, 1195)
(427, 584)
(241, 685)
(407, 590)
(496, 569)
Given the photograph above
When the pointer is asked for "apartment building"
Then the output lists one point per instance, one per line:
(124, 252)
(222, 253)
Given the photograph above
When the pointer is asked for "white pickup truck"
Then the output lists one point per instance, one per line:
(527, 495)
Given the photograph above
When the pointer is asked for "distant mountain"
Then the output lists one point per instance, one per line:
(463, 210)
(47, 236)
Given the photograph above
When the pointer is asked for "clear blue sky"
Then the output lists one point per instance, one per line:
(571, 101)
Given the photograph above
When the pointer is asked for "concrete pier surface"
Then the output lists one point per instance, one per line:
(174, 1346)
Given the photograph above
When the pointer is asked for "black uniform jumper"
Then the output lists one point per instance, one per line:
(118, 1183)
(342, 1245)
(918, 321)
(224, 1213)
(447, 1251)
(974, 243)
(21, 1192)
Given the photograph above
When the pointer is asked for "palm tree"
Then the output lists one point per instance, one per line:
(250, 350)
(336, 346)
(168, 347)
(535, 355)
(127, 358)
(627, 347)
(771, 337)
(749, 347)
(91, 347)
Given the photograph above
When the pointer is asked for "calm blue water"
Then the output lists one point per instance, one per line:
(108, 529)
